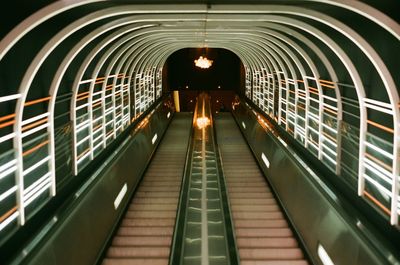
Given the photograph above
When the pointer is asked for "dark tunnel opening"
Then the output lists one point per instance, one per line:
(224, 73)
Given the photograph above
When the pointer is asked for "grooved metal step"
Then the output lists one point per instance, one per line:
(145, 233)
(262, 233)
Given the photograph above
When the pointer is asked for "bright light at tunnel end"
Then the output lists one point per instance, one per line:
(202, 122)
(203, 62)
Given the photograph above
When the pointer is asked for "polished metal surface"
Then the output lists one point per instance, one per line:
(205, 240)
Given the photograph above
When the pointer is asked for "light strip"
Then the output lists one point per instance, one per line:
(82, 124)
(120, 196)
(97, 131)
(7, 137)
(313, 144)
(329, 98)
(108, 123)
(40, 192)
(387, 179)
(383, 152)
(95, 94)
(301, 118)
(313, 130)
(299, 128)
(7, 193)
(154, 139)
(97, 119)
(8, 220)
(323, 255)
(97, 146)
(83, 157)
(326, 147)
(282, 141)
(374, 107)
(329, 128)
(38, 117)
(378, 103)
(35, 184)
(32, 131)
(110, 135)
(378, 185)
(108, 95)
(83, 140)
(243, 125)
(81, 106)
(329, 158)
(326, 139)
(168, 115)
(313, 115)
(7, 165)
(265, 159)
(9, 97)
(38, 164)
(85, 81)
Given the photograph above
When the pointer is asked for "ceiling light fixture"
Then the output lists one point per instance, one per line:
(203, 62)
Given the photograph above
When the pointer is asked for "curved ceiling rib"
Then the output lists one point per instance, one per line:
(113, 52)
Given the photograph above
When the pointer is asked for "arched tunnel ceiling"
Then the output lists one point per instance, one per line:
(340, 50)
(217, 25)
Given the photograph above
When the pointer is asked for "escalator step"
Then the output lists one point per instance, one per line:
(255, 208)
(245, 183)
(247, 189)
(143, 222)
(270, 253)
(145, 241)
(145, 194)
(256, 223)
(158, 183)
(151, 214)
(152, 207)
(147, 231)
(257, 215)
(285, 242)
(145, 234)
(263, 232)
(158, 188)
(242, 201)
(138, 252)
(263, 235)
(273, 262)
(155, 201)
(146, 261)
(246, 195)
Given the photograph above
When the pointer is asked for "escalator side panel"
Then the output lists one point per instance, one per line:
(77, 234)
(145, 234)
(263, 235)
(320, 217)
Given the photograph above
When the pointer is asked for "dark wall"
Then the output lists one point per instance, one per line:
(224, 74)
(221, 100)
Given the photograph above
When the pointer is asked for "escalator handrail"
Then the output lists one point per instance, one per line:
(176, 244)
(229, 227)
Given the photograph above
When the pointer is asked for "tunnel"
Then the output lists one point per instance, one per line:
(99, 149)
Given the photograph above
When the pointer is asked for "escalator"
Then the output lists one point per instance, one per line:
(262, 233)
(145, 233)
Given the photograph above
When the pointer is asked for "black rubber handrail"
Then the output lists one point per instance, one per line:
(230, 230)
(177, 243)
